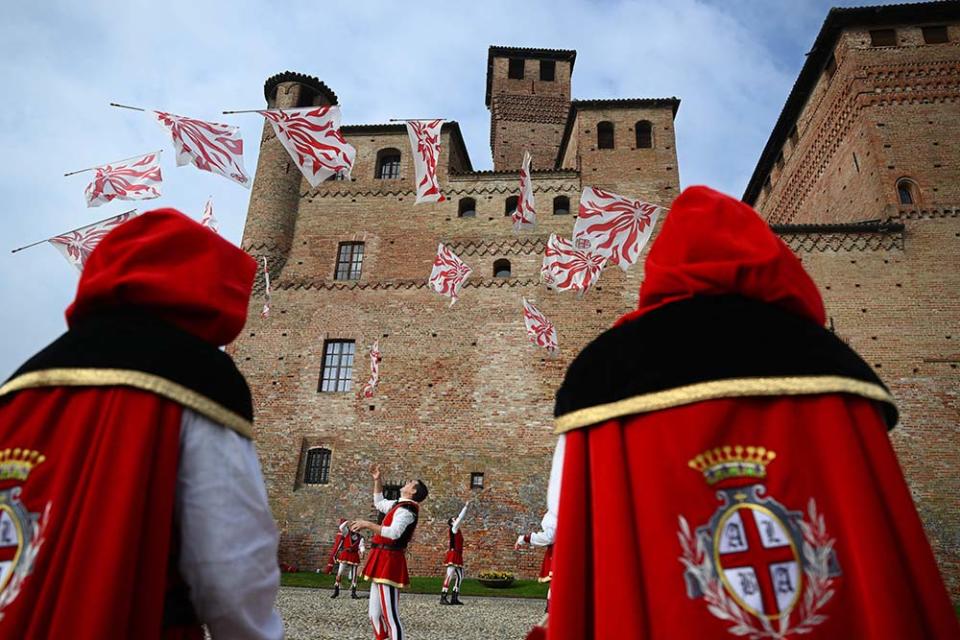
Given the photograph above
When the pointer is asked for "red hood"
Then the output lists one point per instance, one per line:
(165, 264)
(712, 244)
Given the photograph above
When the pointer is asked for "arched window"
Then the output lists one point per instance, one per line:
(605, 135)
(467, 208)
(501, 268)
(510, 205)
(317, 469)
(388, 164)
(644, 134)
(907, 191)
(561, 206)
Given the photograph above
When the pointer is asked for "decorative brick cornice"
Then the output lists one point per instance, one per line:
(447, 192)
(933, 211)
(887, 236)
(509, 246)
(306, 284)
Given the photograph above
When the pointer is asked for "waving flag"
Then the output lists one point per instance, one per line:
(614, 226)
(375, 356)
(77, 245)
(136, 178)
(567, 268)
(525, 216)
(449, 273)
(540, 330)
(425, 143)
(311, 135)
(210, 146)
(208, 220)
(266, 303)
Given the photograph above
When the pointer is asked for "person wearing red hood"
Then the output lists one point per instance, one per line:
(131, 500)
(740, 451)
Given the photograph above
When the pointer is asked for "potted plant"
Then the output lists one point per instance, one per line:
(496, 579)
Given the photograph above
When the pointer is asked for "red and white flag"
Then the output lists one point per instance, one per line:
(77, 245)
(525, 215)
(266, 303)
(614, 226)
(311, 135)
(375, 356)
(208, 220)
(425, 143)
(136, 178)
(449, 273)
(567, 268)
(540, 330)
(210, 146)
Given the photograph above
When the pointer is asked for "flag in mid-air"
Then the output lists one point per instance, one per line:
(208, 220)
(311, 135)
(525, 214)
(266, 303)
(449, 273)
(209, 146)
(136, 178)
(77, 245)
(425, 144)
(614, 226)
(567, 268)
(375, 355)
(540, 330)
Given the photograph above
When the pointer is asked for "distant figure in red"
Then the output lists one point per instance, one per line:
(454, 559)
(348, 549)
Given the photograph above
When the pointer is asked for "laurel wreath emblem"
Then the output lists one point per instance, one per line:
(817, 549)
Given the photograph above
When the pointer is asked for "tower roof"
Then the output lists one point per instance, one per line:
(836, 21)
(496, 51)
(270, 86)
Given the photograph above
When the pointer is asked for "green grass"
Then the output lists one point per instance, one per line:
(423, 584)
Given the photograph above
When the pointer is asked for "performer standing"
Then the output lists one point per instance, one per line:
(454, 559)
(387, 565)
(347, 552)
(125, 447)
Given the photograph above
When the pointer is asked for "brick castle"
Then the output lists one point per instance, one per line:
(861, 177)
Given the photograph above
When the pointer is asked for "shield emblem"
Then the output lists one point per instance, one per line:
(16, 533)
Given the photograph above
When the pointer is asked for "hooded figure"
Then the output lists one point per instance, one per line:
(131, 501)
(739, 449)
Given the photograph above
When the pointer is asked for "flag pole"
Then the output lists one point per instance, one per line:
(158, 151)
(125, 106)
(33, 244)
(251, 111)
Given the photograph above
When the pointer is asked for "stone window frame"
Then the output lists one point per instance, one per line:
(339, 378)
(510, 205)
(643, 130)
(349, 264)
(467, 208)
(388, 170)
(558, 208)
(605, 137)
(499, 266)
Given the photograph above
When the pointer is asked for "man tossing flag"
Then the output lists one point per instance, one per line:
(614, 226)
(448, 274)
(136, 178)
(540, 330)
(525, 215)
(425, 144)
(209, 146)
(311, 135)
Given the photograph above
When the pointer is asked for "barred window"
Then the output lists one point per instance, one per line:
(476, 480)
(337, 372)
(644, 134)
(349, 261)
(605, 135)
(388, 164)
(317, 469)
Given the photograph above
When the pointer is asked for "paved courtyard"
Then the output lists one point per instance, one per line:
(311, 614)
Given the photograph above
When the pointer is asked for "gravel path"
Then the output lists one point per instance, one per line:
(311, 614)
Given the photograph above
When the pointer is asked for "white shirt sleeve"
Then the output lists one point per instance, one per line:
(383, 506)
(548, 525)
(402, 518)
(228, 538)
(459, 519)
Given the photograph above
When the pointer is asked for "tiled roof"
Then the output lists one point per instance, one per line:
(270, 86)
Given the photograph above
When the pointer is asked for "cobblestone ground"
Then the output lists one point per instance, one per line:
(311, 614)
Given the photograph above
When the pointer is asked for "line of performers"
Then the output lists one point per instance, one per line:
(386, 566)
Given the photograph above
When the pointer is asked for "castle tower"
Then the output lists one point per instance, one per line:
(275, 196)
(528, 94)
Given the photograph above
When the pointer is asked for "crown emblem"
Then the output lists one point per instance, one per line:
(17, 464)
(726, 462)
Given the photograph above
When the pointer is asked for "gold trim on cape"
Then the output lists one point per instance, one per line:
(732, 388)
(138, 380)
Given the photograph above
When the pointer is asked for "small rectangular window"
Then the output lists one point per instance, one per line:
(935, 35)
(349, 261)
(548, 70)
(515, 70)
(317, 469)
(476, 480)
(337, 371)
(883, 37)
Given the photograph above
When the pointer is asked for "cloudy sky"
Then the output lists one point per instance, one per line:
(732, 63)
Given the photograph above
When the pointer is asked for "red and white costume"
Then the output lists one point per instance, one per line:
(351, 548)
(454, 557)
(386, 567)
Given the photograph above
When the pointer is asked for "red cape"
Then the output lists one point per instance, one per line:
(89, 433)
(815, 535)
